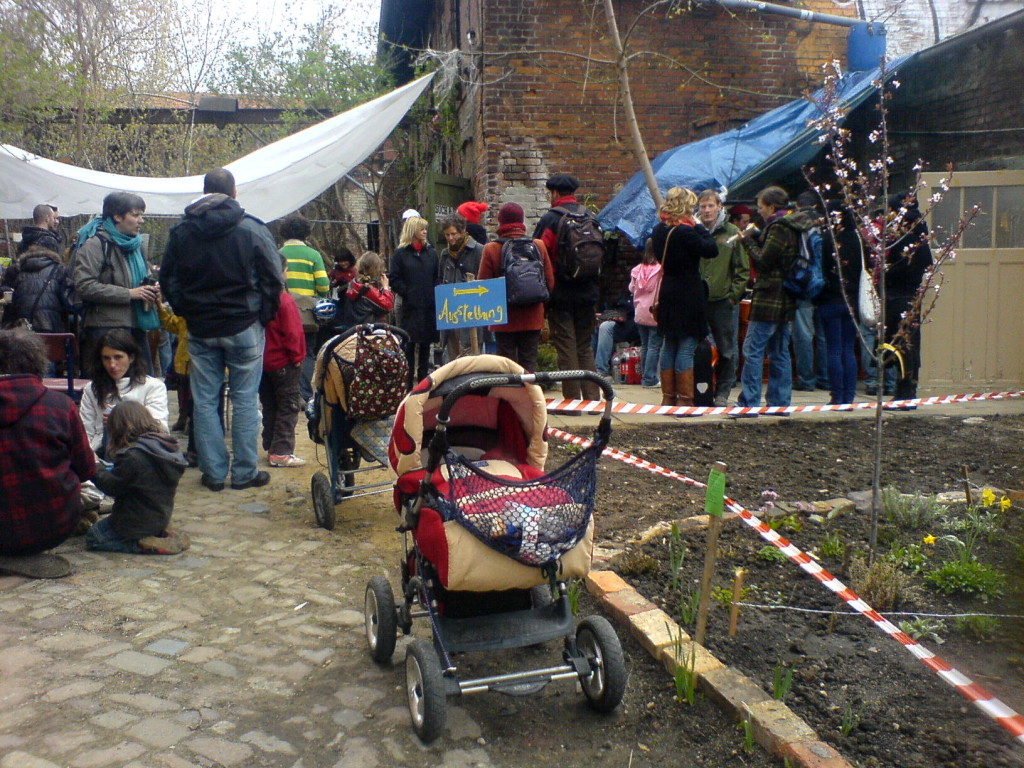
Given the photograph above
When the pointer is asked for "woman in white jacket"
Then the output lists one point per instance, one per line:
(119, 373)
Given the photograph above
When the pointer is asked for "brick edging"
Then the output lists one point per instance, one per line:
(775, 726)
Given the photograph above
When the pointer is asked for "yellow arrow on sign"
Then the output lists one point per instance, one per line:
(479, 290)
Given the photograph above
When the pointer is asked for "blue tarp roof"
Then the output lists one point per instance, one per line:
(769, 146)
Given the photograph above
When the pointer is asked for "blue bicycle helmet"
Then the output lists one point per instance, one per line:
(325, 311)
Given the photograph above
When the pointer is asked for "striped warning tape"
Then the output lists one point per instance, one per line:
(594, 406)
(985, 701)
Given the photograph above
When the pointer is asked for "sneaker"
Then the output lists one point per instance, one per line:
(167, 543)
(257, 481)
(285, 460)
(212, 484)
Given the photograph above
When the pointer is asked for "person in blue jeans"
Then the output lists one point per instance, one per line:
(221, 272)
(841, 265)
(772, 307)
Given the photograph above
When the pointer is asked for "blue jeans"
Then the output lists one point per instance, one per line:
(242, 354)
(650, 353)
(771, 339)
(604, 345)
(841, 335)
(802, 331)
(677, 352)
(870, 364)
(103, 537)
(723, 319)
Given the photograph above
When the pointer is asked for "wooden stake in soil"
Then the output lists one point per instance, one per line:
(967, 487)
(714, 504)
(734, 608)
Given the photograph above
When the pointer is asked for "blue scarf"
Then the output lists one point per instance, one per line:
(130, 245)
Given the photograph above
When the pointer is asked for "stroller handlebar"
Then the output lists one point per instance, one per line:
(371, 327)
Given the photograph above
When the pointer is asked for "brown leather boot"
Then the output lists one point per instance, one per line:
(684, 388)
(668, 387)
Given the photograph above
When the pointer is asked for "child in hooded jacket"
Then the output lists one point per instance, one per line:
(644, 284)
(143, 480)
(368, 298)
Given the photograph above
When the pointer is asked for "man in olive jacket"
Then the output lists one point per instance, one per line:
(726, 277)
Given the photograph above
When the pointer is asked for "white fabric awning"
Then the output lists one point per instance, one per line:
(272, 182)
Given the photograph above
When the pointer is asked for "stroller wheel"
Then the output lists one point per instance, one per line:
(323, 501)
(597, 642)
(425, 688)
(381, 619)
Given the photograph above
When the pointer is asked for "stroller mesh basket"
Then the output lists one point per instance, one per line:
(534, 521)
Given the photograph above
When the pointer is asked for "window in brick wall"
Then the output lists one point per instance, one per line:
(1009, 219)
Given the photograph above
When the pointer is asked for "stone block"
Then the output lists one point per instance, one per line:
(775, 725)
(812, 754)
(621, 605)
(654, 629)
(732, 691)
(601, 583)
(703, 662)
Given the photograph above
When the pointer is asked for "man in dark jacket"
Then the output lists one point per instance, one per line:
(222, 273)
(40, 285)
(457, 263)
(772, 307)
(44, 232)
(572, 308)
(44, 458)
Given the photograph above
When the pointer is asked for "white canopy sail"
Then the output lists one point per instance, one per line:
(272, 181)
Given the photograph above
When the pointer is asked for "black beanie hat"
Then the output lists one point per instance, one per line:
(563, 182)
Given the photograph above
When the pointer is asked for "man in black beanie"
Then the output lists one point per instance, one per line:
(573, 304)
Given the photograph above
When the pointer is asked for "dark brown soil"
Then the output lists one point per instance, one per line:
(846, 670)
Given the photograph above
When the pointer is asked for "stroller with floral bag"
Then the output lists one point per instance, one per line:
(490, 539)
(358, 382)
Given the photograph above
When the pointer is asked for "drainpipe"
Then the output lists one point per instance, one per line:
(782, 10)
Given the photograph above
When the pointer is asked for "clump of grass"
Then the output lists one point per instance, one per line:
(910, 512)
(772, 554)
(685, 674)
(850, 718)
(637, 563)
(979, 627)
(676, 554)
(782, 681)
(688, 604)
(574, 592)
(882, 583)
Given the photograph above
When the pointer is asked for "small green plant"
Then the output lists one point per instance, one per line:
(832, 545)
(979, 627)
(790, 522)
(782, 681)
(574, 592)
(723, 595)
(637, 563)
(910, 512)
(911, 557)
(772, 554)
(685, 674)
(924, 628)
(688, 608)
(747, 726)
(676, 555)
(882, 584)
(967, 577)
(850, 718)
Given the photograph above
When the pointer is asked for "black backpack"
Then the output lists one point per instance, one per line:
(523, 268)
(581, 248)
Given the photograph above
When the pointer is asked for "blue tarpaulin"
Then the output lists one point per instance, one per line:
(769, 146)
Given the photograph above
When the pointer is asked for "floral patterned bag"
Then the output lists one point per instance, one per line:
(380, 375)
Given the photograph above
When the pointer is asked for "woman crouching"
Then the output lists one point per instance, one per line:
(143, 480)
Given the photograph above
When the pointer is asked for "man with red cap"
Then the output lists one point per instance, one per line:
(471, 211)
(519, 338)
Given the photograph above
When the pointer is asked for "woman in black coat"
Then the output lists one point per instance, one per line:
(841, 264)
(412, 275)
(681, 310)
(40, 285)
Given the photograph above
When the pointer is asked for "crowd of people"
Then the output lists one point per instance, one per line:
(248, 318)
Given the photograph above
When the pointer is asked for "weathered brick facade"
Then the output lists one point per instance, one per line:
(540, 92)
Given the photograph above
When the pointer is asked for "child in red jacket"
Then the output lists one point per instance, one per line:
(283, 353)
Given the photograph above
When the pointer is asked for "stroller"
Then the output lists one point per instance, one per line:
(493, 539)
(358, 382)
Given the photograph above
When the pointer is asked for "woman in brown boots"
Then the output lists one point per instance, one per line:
(680, 242)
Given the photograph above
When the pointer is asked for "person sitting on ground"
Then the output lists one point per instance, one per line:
(369, 298)
(616, 325)
(44, 459)
(283, 353)
(143, 480)
(119, 373)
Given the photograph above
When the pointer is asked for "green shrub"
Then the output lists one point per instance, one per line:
(980, 627)
(967, 577)
(911, 512)
(924, 628)
(911, 557)
(772, 554)
(882, 583)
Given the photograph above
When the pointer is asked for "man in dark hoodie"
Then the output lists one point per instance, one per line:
(222, 273)
(44, 232)
(772, 307)
(44, 458)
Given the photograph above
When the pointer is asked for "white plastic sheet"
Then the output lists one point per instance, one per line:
(272, 181)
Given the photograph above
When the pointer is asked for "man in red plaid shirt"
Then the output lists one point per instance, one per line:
(44, 458)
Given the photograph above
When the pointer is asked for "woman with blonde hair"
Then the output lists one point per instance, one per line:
(680, 242)
(412, 276)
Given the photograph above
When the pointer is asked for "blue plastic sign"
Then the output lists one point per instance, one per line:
(470, 304)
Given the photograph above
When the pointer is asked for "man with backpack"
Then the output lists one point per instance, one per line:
(576, 244)
(528, 273)
(772, 253)
(806, 329)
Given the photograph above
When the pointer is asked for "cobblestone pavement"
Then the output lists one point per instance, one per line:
(246, 650)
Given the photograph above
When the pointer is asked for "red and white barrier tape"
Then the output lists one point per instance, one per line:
(985, 701)
(596, 406)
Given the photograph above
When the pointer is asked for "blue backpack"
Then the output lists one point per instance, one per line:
(805, 280)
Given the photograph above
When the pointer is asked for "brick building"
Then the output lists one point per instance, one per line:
(537, 89)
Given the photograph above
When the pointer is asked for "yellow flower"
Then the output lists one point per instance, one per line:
(1005, 504)
(929, 539)
(987, 497)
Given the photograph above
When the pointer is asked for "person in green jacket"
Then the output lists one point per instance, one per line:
(307, 281)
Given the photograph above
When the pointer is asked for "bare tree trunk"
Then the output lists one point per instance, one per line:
(627, 102)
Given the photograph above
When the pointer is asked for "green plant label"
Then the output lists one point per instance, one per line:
(714, 498)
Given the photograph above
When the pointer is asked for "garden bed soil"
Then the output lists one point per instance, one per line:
(859, 689)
